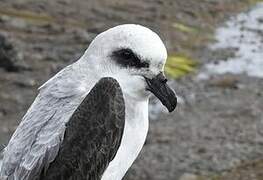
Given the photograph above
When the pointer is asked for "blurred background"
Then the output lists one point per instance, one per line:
(215, 64)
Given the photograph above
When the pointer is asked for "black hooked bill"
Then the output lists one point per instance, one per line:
(158, 86)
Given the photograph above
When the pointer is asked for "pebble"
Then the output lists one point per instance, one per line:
(188, 176)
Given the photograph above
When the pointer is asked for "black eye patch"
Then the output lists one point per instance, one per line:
(127, 58)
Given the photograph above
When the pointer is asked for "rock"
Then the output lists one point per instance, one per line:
(24, 83)
(18, 23)
(188, 176)
(225, 81)
(83, 36)
(9, 58)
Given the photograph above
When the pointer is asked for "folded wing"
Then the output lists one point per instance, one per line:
(93, 135)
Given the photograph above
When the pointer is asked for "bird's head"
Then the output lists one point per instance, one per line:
(135, 56)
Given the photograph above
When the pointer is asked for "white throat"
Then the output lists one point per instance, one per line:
(134, 135)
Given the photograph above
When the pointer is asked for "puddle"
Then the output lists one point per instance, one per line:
(244, 33)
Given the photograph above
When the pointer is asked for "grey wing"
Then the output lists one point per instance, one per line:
(37, 139)
(93, 135)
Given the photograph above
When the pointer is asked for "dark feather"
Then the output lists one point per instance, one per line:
(93, 135)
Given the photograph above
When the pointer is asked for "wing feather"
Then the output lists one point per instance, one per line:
(37, 139)
(93, 135)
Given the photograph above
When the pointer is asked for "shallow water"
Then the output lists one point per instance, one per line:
(243, 34)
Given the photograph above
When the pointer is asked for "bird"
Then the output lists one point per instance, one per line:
(90, 120)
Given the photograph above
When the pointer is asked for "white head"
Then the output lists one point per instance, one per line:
(135, 56)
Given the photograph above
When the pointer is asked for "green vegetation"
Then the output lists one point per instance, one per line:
(185, 28)
(180, 65)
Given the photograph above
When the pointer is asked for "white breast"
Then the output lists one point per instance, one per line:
(134, 135)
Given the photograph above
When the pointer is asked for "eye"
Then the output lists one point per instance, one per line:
(127, 58)
(126, 54)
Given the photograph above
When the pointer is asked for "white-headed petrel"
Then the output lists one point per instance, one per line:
(90, 120)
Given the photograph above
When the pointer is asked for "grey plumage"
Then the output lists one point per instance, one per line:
(36, 142)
